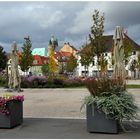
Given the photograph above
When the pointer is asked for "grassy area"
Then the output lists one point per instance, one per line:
(133, 86)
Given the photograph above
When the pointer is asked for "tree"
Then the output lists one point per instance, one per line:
(133, 67)
(97, 39)
(26, 58)
(3, 59)
(128, 48)
(86, 55)
(71, 64)
(52, 62)
(45, 69)
(138, 65)
(103, 63)
(62, 67)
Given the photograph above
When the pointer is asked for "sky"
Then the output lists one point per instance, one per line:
(67, 21)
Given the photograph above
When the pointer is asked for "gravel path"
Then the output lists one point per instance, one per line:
(58, 103)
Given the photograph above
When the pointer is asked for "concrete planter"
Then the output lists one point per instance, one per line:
(98, 122)
(15, 116)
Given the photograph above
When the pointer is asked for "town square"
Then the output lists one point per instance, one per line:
(70, 74)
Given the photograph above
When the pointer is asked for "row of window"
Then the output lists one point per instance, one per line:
(95, 73)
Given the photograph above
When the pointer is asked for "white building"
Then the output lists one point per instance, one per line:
(92, 69)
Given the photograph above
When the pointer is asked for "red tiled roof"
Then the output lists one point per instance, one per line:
(67, 54)
(40, 60)
(62, 56)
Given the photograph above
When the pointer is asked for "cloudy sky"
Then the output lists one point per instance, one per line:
(68, 21)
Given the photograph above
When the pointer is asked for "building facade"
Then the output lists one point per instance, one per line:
(93, 69)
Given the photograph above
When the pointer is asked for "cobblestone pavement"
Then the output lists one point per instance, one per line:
(58, 103)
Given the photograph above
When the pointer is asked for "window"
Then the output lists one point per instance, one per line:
(134, 52)
(84, 73)
(93, 63)
(126, 62)
(35, 62)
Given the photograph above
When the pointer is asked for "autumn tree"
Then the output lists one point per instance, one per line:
(52, 62)
(26, 58)
(3, 59)
(71, 64)
(86, 56)
(45, 69)
(97, 39)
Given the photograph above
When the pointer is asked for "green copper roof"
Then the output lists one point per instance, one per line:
(39, 51)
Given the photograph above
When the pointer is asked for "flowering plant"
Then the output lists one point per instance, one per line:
(5, 98)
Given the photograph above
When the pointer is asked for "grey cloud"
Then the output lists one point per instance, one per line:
(68, 21)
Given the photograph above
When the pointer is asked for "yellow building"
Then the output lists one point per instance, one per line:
(69, 48)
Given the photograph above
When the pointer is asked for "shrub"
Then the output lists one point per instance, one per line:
(109, 96)
(100, 86)
(58, 81)
(53, 82)
(116, 107)
(33, 82)
(3, 79)
(73, 82)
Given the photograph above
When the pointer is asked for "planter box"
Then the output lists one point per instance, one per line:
(15, 117)
(98, 122)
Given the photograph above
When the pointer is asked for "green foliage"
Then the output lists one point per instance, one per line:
(103, 63)
(26, 58)
(62, 67)
(133, 86)
(50, 82)
(97, 39)
(7, 95)
(110, 97)
(138, 61)
(3, 59)
(128, 48)
(71, 64)
(133, 65)
(3, 80)
(86, 55)
(45, 69)
(116, 107)
(138, 65)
